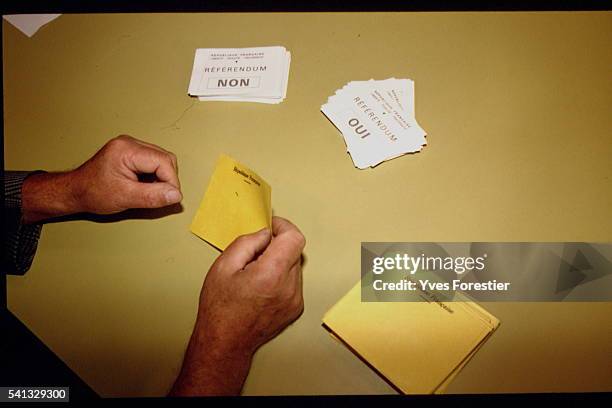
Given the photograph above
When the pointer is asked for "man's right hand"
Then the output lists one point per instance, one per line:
(106, 183)
(251, 293)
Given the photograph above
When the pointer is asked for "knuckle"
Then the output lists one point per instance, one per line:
(120, 139)
(166, 155)
(241, 240)
(119, 142)
(219, 264)
(300, 239)
(297, 238)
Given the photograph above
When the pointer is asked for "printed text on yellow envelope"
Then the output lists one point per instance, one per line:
(237, 201)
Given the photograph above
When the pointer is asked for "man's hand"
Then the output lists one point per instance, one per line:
(251, 293)
(107, 183)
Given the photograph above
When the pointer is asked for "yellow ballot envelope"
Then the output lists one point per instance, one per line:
(417, 347)
(237, 201)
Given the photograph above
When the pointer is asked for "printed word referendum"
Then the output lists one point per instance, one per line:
(235, 69)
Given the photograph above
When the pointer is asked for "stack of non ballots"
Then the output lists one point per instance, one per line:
(257, 74)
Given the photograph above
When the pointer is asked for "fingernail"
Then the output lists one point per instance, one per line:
(173, 196)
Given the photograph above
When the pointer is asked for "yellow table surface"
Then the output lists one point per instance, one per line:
(517, 107)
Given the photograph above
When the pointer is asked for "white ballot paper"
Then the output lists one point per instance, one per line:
(29, 24)
(376, 119)
(258, 74)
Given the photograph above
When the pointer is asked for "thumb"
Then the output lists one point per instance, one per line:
(152, 195)
(245, 248)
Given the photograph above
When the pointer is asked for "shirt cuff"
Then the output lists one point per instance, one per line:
(20, 240)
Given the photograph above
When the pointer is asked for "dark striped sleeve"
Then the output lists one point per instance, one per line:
(20, 240)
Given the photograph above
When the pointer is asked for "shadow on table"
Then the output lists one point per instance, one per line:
(131, 214)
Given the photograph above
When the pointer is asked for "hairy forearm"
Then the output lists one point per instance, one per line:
(210, 368)
(48, 195)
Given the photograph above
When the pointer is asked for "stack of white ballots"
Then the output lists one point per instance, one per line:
(258, 74)
(376, 119)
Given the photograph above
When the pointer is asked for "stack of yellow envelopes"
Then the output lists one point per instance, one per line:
(418, 347)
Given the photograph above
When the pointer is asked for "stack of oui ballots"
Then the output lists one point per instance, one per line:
(376, 119)
(258, 74)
